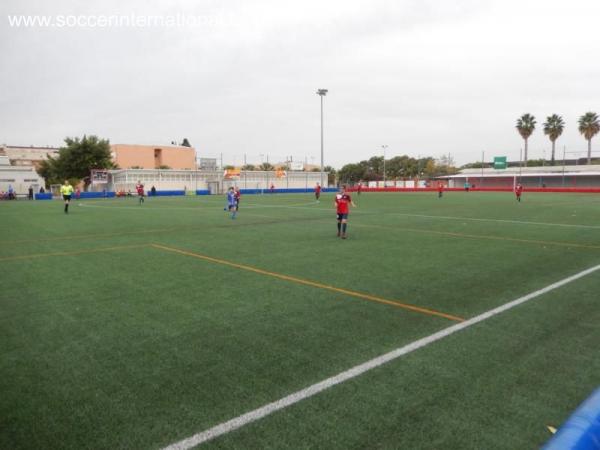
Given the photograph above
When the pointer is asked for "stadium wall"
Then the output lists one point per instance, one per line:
(181, 193)
(480, 189)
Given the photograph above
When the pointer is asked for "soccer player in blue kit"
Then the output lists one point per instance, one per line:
(231, 202)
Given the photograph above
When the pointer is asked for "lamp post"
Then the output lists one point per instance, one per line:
(384, 147)
(322, 93)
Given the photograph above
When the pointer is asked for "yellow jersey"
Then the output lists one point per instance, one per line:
(66, 189)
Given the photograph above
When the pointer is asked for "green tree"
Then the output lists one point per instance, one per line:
(266, 166)
(445, 165)
(164, 167)
(228, 167)
(374, 168)
(186, 143)
(351, 173)
(535, 162)
(77, 159)
(48, 170)
(553, 128)
(395, 167)
(429, 170)
(248, 167)
(525, 126)
(589, 127)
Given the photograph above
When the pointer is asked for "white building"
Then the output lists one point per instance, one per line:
(20, 178)
(568, 176)
(214, 181)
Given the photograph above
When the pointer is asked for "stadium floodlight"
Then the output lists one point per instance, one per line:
(322, 93)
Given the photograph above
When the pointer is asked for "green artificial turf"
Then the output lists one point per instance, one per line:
(107, 340)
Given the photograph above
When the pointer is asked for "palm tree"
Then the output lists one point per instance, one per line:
(589, 127)
(553, 128)
(525, 127)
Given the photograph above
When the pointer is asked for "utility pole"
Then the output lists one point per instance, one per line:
(384, 147)
(322, 93)
(482, 162)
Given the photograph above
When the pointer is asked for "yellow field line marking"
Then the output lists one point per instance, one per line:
(480, 236)
(293, 279)
(96, 235)
(128, 233)
(73, 253)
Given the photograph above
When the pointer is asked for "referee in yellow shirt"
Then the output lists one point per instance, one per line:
(66, 190)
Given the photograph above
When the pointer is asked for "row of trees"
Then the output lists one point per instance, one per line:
(588, 124)
(398, 167)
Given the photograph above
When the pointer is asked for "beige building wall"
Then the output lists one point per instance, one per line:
(27, 156)
(154, 156)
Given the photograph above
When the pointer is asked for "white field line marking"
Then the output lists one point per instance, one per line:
(355, 371)
(194, 208)
(476, 219)
(372, 212)
(141, 208)
(293, 205)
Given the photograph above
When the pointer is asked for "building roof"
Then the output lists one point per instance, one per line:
(540, 171)
(21, 155)
(595, 173)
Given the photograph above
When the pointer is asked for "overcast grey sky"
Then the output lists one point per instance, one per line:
(421, 76)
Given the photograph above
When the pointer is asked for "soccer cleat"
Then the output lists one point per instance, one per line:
(344, 236)
(338, 235)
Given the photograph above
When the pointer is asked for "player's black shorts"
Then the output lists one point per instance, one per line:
(66, 197)
(342, 216)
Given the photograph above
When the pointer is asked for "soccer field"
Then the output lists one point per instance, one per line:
(136, 327)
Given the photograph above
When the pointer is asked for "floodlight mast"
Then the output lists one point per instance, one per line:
(384, 147)
(322, 93)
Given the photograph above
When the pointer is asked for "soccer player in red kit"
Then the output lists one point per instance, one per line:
(237, 196)
(317, 192)
(440, 189)
(342, 204)
(359, 187)
(519, 191)
(139, 187)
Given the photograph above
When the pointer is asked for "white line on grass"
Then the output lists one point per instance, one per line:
(355, 371)
(475, 219)
(370, 212)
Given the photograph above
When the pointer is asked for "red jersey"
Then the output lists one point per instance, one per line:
(440, 187)
(140, 189)
(237, 195)
(318, 189)
(519, 190)
(342, 202)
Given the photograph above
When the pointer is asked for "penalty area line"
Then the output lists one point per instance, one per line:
(263, 411)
